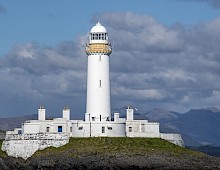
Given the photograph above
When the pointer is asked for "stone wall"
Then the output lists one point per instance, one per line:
(173, 138)
(25, 145)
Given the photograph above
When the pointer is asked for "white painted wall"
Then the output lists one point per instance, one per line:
(142, 128)
(94, 129)
(46, 126)
(31, 128)
(98, 87)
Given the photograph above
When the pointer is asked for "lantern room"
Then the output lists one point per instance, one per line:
(98, 34)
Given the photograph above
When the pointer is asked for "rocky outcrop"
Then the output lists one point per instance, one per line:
(113, 161)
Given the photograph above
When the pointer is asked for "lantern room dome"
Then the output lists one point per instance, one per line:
(98, 28)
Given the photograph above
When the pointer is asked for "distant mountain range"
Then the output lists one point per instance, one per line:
(15, 122)
(197, 126)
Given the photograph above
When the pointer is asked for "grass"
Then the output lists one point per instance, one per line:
(116, 145)
(2, 153)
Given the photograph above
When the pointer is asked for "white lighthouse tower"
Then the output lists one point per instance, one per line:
(98, 84)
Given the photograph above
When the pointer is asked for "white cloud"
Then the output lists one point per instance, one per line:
(152, 65)
(177, 74)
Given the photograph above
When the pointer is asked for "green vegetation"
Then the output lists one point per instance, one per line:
(2, 153)
(114, 153)
(116, 145)
(2, 131)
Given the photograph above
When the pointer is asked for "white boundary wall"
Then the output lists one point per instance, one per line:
(173, 138)
(25, 145)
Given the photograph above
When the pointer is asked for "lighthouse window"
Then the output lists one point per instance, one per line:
(109, 128)
(48, 129)
(100, 83)
(130, 129)
(99, 36)
(96, 36)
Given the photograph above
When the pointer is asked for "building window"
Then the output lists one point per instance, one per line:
(71, 129)
(109, 128)
(93, 118)
(60, 129)
(142, 128)
(100, 83)
(103, 129)
(130, 129)
(81, 128)
(19, 131)
(48, 129)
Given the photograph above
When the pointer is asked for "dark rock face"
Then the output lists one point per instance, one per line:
(113, 161)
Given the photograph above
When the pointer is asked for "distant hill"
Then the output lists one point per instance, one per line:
(203, 125)
(159, 114)
(14, 122)
(198, 126)
(210, 150)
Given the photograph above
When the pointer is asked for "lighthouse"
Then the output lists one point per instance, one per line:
(34, 134)
(98, 107)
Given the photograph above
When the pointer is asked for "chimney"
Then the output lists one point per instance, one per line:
(41, 113)
(116, 117)
(130, 113)
(66, 113)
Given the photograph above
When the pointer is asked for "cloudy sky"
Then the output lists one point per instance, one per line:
(166, 54)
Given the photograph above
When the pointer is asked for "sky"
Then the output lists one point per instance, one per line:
(166, 54)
